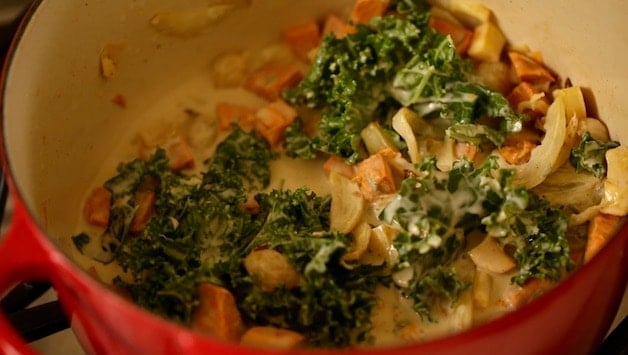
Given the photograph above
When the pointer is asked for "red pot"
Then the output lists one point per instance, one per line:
(59, 124)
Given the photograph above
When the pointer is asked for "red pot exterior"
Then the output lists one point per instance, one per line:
(571, 319)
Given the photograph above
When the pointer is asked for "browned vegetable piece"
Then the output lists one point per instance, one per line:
(529, 69)
(375, 177)
(97, 207)
(216, 314)
(523, 92)
(518, 152)
(269, 80)
(339, 27)
(232, 113)
(302, 38)
(273, 119)
(271, 337)
(459, 35)
(601, 229)
(179, 154)
(271, 269)
(145, 200)
(364, 10)
(466, 150)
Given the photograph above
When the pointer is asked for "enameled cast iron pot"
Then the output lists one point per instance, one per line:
(59, 126)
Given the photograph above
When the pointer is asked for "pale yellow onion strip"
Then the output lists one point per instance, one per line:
(615, 200)
(408, 123)
(544, 157)
(347, 203)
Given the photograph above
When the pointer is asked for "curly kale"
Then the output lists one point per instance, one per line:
(589, 155)
(394, 61)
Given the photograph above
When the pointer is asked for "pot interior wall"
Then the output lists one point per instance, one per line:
(62, 128)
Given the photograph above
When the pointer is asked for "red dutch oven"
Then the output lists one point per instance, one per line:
(59, 126)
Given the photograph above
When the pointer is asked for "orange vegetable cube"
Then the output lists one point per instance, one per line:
(302, 38)
(271, 79)
(145, 201)
(217, 314)
(517, 153)
(97, 207)
(272, 121)
(337, 26)
(364, 10)
(529, 69)
(601, 229)
(229, 113)
(375, 177)
(459, 35)
(179, 154)
(271, 337)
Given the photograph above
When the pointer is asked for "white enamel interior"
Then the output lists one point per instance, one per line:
(61, 125)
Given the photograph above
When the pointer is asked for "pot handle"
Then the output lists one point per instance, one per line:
(24, 255)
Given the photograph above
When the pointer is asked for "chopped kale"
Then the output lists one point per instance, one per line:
(392, 62)
(589, 155)
(80, 240)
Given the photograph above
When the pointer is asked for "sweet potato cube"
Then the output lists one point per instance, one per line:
(302, 38)
(179, 154)
(97, 207)
(217, 314)
(529, 292)
(273, 119)
(459, 35)
(272, 78)
(517, 153)
(528, 69)
(231, 113)
(601, 229)
(339, 27)
(375, 177)
(145, 201)
(271, 337)
(364, 10)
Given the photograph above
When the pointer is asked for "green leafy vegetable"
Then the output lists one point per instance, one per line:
(589, 155)
(393, 62)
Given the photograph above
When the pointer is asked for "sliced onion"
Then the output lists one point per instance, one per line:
(544, 158)
(191, 21)
(347, 203)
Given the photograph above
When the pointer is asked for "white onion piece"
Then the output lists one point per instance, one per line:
(489, 256)
(544, 158)
(615, 199)
(566, 187)
(409, 124)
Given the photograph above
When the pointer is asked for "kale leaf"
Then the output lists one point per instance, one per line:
(589, 155)
(394, 61)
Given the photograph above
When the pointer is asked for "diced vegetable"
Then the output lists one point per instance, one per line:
(228, 114)
(490, 256)
(217, 314)
(482, 288)
(601, 229)
(271, 269)
(302, 38)
(487, 42)
(347, 204)
(179, 154)
(364, 10)
(337, 26)
(145, 201)
(471, 12)
(375, 139)
(615, 199)
(229, 69)
(272, 121)
(528, 292)
(97, 206)
(375, 177)
(459, 35)
(530, 70)
(271, 79)
(271, 337)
